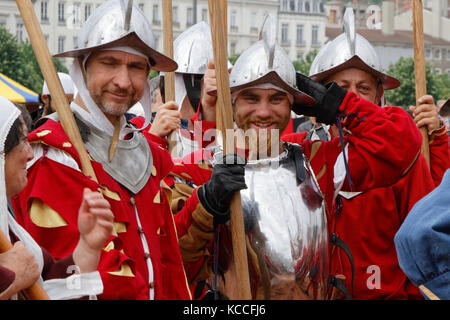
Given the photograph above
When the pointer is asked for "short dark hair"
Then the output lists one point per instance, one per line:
(15, 135)
(18, 132)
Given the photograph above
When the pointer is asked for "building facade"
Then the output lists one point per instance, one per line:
(301, 23)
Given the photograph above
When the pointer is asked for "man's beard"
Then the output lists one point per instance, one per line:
(260, 144)
(113, 109)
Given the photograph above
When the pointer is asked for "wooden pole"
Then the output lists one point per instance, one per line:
(59, 99)
(169, 77)
(224, 9)
(226, 121)
(419, 68)
(35, 292)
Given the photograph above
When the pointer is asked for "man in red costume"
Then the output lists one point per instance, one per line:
(142, 259)
(262, 101)
(367, 221)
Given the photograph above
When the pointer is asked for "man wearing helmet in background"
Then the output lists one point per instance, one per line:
(367, 221)
(46, 99)
(285, 209)
(110, 70)
(194, 112)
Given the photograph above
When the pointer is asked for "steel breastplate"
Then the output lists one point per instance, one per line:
(132, 163)
(287, 229)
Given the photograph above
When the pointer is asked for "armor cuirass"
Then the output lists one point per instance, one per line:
(286, 228)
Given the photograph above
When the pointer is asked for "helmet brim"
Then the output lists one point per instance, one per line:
(387, 81)
(445, 109)
(158, 61)
(273, 77)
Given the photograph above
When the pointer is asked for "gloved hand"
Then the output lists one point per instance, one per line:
(226, 179)
(328, 99)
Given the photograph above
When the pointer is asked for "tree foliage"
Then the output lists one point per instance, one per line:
(18, 62)
(438, 86)
(304, 65)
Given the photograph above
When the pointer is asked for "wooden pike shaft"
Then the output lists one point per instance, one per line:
(419, 67)
(35, 292)
(226, 122)
(59, 99)
(169, 77)
(60, 103)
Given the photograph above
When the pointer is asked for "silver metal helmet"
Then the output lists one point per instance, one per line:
(192, 49)
(120, 23)
(266, 62)
(349, 50)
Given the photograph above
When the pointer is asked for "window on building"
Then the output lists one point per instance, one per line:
(284, 5)
(76, 12)
(300, 40)
(2, 22)
(315, 6)
(75, 42)
(332, 16)
(448, 71)
(190, 17)
(61, 13)
(233, 19)
(299, 56)
(87, 10)
(299, 5)
(44, 11)
(292, 5)
(448, 54)
(427, 53)
(175, 15)
(284, 33)
(437, 54)
(155, 14)
(61, 40)
(315, 35)
(437, 70)
(141, 6)
(307, 6)
(205, 15)
(19, 31)
(253, 24)
(233, 48)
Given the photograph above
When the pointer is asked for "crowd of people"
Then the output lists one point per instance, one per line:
(349, 208)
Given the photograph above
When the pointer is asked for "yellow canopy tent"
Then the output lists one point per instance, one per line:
(15, 92)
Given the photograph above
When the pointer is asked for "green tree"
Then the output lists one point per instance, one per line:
(233, 58)
(405, 94)
(304, 65)
(10, 56)
(18, 61)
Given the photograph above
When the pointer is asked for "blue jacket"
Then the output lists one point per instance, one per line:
(423, 242)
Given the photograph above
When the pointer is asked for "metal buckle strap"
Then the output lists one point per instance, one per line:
(338, 242)
(335, 282)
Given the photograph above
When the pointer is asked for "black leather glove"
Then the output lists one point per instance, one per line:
(328, 99)
(226, 179)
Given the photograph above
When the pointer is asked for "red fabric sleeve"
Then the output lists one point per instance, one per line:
(439, 154)
(60, 187)
(6, 278)
(383, 145)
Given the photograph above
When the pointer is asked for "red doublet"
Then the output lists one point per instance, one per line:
(377, 156)
(368, 222)
(56, 187)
